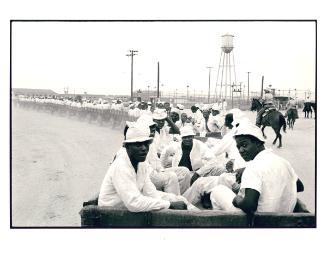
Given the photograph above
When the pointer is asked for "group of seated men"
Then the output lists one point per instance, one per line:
(162, 165)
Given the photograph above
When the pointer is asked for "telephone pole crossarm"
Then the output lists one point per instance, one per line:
(131, 54)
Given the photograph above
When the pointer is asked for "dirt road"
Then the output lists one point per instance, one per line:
(57, 163)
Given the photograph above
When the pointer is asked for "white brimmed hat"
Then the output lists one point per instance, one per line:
(146, 120)
(159, 114)
(238, 116)
(180, 106)
(248, 128)
(137, 133)
(175, 110)
(205, 107)
(187, 131)
(215, 107)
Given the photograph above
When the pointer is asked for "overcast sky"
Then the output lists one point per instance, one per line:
(91, 56)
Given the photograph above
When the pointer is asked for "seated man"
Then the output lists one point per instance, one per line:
(183, 121)
(225, 150)
(268, 183)
(216, 121)
(268, 102)
(174, 117)
(227, 166)
(171, 180)
(127, 183)
(203, 128)
(196, 116)
(190, 153)
(163, 135)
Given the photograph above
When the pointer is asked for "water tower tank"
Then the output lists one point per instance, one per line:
(227, 43)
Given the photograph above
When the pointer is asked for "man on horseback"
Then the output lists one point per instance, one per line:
(268, 103)
(292, 108)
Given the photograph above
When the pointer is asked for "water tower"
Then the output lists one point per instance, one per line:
(226, 76)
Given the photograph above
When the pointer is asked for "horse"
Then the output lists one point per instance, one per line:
(314, 107)
(273, 119)
(291, 115)
(307, 109)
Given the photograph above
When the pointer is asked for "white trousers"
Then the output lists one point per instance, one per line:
(172, 180)
(207, 184)
(183, 177)
(222, 199)
(212, 169)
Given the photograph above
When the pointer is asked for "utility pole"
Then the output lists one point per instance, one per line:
(131, 54)
(263, 77)
(187, 93)
(248, 86)
(158, 81)
(209, 67)
(148, 93)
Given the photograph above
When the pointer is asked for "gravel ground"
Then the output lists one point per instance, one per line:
(57, 163)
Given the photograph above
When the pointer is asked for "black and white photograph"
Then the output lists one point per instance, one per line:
(162, 128)
(163, 123)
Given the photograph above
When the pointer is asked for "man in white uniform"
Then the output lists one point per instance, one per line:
(162, 136)
(196, 116)
(223, 170)
(268, 183)
(216, 121)
(171, 180)
(190, 152)
(127, 183)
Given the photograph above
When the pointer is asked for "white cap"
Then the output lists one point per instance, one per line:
(238, 116)
(137, 133)
(215, 107)
(175, 110)
(187, 131)
(146, 119)
(159, 114)
(197, 105)
(248, 128)
(180, 106)
(205, 107)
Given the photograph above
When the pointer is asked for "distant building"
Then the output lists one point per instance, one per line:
(31, 92)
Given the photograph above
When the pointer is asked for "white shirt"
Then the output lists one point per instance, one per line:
(215, 123)
(153, 159)
(197, 117)
(199, 155)
(123, 187)
(275, 179)
(228, 145)
(162, 139)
